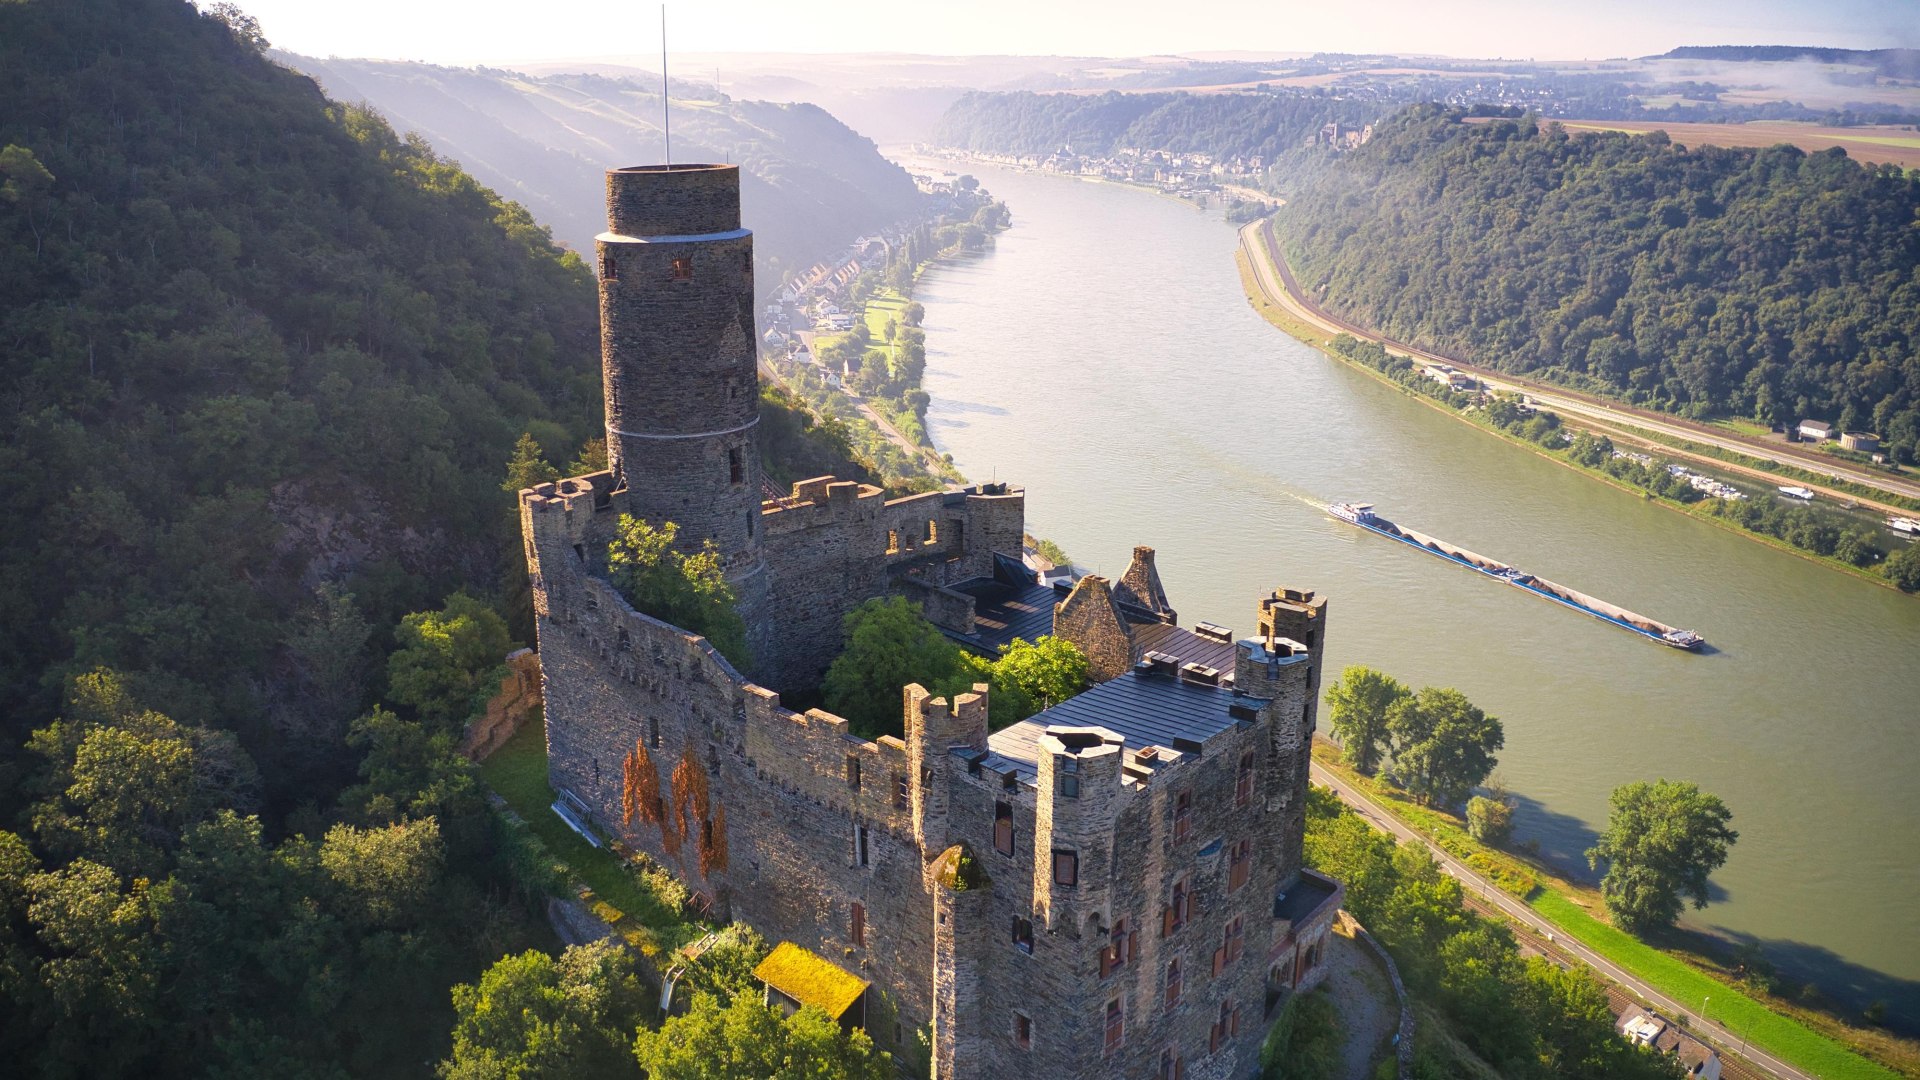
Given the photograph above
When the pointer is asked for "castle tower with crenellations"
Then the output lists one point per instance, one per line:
(679, 361)
(1109, 888)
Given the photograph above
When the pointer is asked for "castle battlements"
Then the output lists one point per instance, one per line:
(1111, 887)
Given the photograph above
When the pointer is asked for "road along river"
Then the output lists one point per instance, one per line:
(1104, 356)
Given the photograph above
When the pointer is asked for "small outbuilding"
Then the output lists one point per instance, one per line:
(796, 977)
(1864, 441)
(1817, 430)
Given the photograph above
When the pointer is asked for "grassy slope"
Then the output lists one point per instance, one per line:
(518, 773)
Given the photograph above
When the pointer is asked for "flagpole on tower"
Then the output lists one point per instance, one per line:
(666, 115)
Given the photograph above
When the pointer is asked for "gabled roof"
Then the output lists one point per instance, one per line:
(811, 979)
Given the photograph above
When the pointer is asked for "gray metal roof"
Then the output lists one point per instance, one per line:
(1145, 708)
(1009, 605)
(1185, 646)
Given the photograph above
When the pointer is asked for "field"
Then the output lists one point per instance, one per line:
(1896, 145)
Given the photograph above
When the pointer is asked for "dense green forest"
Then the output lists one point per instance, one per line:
(254, 342)
(1769, 283)
(266, 364)
(809, 184)
(1223, 125)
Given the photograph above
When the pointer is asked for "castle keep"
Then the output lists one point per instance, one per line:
(1110, 888)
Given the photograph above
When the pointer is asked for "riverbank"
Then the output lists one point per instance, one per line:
(1314, 335)
(1692, 967)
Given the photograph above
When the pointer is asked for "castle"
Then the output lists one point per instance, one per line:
(1112, 887)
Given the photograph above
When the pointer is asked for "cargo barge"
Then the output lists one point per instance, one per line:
(1362, 514)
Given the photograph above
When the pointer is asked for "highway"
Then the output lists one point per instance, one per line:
(1485, 895)
(1277, 282)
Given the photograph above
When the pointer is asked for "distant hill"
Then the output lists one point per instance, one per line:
(1223, 125)
(810, 184)
(1899, 63)
(1771, 283)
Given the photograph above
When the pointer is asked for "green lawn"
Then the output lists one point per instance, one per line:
(1742, 1016)
(518, 772)
(1742, 426)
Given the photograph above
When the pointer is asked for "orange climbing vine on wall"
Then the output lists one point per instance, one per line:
(640, 787)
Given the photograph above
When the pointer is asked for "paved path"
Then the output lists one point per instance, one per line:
(1485, 895)
(1276, 281)
(1368, 1012)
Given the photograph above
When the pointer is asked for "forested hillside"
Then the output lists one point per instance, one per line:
(253, 342)
(809, 184)
(1768, 283)
(1223, 125)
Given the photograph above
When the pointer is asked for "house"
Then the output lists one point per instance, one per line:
(1864, 441)
(796, 977)
(1816, 430)
(1701, 1062)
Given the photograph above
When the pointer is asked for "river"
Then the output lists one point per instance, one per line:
(1103, 356)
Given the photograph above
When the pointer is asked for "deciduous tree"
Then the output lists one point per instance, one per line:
(1442, 744)
(1662, 841)
(1357, 707)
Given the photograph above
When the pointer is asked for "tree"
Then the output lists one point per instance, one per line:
(528, 466)
(1903, 568)
(412, 772)
(1044, 672)
(1489, 821)
(532, 1017)
(26, 186)
(1442, 744)
(689, 591)
(747, 1040)
(1662, 841)
(889, 644)
(592, 458)
(382, 876)
(1357, 707)
(449, 662)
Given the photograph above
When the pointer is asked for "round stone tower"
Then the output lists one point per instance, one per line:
(678, 355)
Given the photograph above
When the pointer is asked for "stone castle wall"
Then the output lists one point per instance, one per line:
(788, 822)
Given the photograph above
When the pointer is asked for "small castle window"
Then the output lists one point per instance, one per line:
(1236, 941)
(683, 269)
(1176, 913)
(857, 924)
(1023, 935)
(1120, 950)
(899, 791)
(580, 552)
(853, 772)
(1227, 1026)
(609, 270)
(893, 542)
(746, 262)
(860, 845)
(626, 640)
(1116, 1026)
(1176, 982)
(1182, 816)
(1003, 828)
(736, 468)
(751, 515)
(1243, 781)
(1022, 1031)
(933, 531)
(1239, 864)
(1066, 868)
(653, 732)
(1172, 1066)
(1066, 778)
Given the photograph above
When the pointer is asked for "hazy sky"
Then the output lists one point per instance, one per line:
(480, 31)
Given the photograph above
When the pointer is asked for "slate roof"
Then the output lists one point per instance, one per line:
(1185, 646)
(1010, 604)
(1307, 894)
(1145, 708)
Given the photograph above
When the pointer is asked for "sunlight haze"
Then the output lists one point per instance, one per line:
(498, 31)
